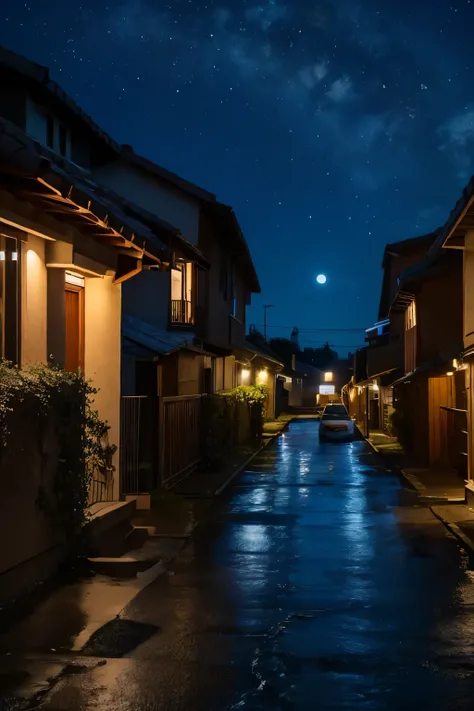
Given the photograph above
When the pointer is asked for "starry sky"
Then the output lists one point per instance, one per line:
(331, 126)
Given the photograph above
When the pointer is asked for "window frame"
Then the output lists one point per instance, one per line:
(187, 307)
(10, 283)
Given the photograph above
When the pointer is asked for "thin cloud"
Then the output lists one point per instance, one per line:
(267, 14)
(457, 140)
(134, 19)
(311, 75)
(340, 90)
(222, 17)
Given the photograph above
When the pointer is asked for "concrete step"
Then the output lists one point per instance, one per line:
(123, 567)
(155, 549)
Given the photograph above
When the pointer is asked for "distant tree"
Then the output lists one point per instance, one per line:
(321, 357)
(284, 349)
(256, 337)
(295, 338)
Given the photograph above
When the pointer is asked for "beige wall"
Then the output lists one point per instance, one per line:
(153, 194)
(34, 302)
(229, 373)
(102, 352)
(469, 290)
(190, 373)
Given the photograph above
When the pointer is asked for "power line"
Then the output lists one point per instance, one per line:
(318, 330)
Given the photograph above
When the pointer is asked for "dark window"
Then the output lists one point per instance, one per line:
(50, 131)
(9, 299)
(224, 274)
(62, 139)
(234, 292)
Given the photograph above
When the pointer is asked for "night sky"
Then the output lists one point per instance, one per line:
(332, 127)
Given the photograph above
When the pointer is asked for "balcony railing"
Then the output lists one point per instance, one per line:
(182, 312)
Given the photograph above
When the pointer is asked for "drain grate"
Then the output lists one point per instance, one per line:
(118, 638)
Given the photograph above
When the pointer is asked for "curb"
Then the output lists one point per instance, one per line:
(242, 466)
(418, 487)
(456, 531)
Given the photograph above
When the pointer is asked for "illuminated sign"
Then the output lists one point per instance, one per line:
(327, 389)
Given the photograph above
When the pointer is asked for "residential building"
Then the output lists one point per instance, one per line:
(456, 237)
(182, 335)
(430, 302)
(382, 362)
(66, 248)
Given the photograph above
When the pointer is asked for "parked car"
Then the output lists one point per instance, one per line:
(336, 424)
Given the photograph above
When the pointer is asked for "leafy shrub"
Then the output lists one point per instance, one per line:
(65, 400)
(233, 418)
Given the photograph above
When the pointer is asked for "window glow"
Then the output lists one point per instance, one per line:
(328, 377)
(74, 279)
(410, 316)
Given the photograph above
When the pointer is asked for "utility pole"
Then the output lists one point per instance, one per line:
(265, 309)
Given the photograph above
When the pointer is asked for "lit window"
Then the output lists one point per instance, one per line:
(182, 293)
(410, 316)
(328, 377)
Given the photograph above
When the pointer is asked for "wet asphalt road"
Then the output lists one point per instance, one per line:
(317, 584)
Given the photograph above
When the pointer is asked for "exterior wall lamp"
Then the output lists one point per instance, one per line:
(245, 375)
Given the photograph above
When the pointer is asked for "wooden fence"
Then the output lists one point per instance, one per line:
(180, 449)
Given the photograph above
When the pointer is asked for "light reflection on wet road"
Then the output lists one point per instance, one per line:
(317, 584)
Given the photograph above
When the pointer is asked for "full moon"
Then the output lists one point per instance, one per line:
(321, 279)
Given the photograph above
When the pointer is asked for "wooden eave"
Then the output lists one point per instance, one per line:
(402, 301)
(90, 217)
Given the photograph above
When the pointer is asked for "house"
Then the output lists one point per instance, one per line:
(429, 300)
(381, 362)
(182, 335)
(66, 248)
(41, 109)
(257, 364)
(457, 238)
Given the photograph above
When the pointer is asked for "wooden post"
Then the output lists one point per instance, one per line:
(161, 440)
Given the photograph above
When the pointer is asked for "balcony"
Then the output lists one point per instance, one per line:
(181, 313)
(386, 357)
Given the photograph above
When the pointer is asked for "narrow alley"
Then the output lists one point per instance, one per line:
(319, 584)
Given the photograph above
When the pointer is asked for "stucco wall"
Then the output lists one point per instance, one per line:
(31, 547)
(190, 373)
(153, 194)
(146, 297)
(229, 373)
(102, 307)
(34, 302)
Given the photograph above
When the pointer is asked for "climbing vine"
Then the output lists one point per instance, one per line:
(63, 401)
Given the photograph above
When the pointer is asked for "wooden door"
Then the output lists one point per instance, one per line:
(440, 394)
(74, 329)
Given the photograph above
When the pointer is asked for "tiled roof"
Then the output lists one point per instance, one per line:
(153, 339)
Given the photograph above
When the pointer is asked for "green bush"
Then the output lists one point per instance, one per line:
(65, 401)
(233, 418)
